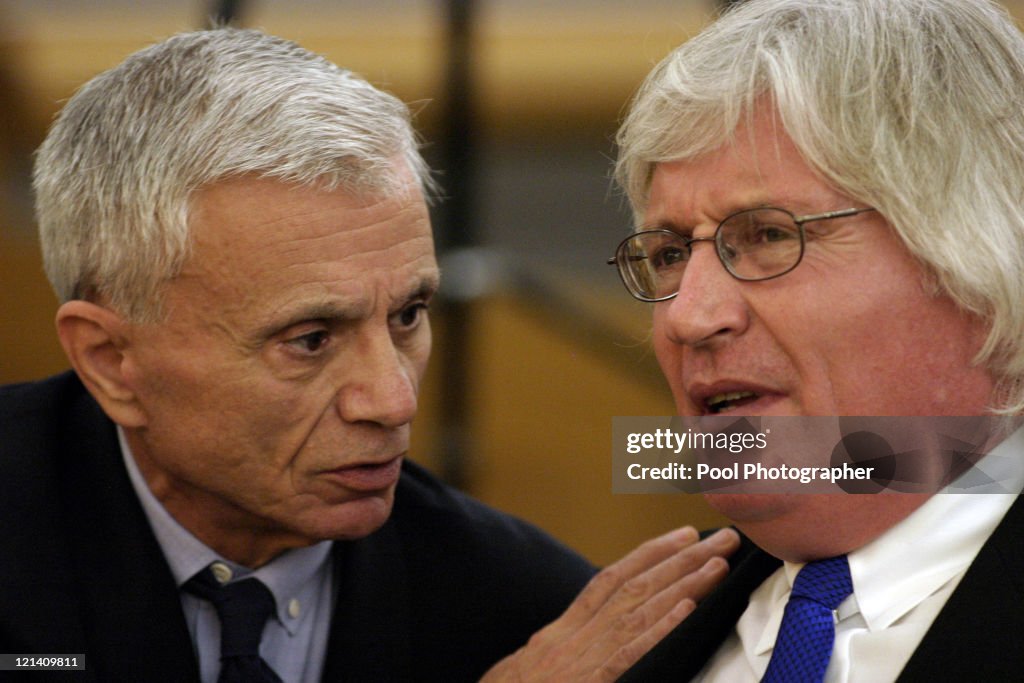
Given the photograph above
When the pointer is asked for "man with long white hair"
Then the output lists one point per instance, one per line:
(829, 201)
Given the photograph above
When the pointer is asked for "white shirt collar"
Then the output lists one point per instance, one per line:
(937, 542)
(934, 545)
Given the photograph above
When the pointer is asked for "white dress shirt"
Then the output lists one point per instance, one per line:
(901, 580)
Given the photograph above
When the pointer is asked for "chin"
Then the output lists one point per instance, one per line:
(776, 523)
(351, 520)
(753, 507)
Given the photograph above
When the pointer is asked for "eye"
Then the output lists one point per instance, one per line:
(311, 342)
(766, 234)
(668, 256)
(410, 317)
(761, 233)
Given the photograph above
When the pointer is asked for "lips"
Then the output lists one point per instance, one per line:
(720, 403)
(722, 397)
(368, 477)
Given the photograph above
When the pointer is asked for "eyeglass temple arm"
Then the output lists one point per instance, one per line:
(830, 214)
(614, 261)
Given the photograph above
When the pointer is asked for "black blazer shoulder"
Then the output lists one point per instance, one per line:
(82, 571)
(442, 591)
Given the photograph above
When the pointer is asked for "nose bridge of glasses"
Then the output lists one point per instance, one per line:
(718, 259)
(690, 241)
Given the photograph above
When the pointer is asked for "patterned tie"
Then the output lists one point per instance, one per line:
(804, 643)
(243, 607)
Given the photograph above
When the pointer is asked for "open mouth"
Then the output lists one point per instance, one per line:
(368, 477)
(730, 400)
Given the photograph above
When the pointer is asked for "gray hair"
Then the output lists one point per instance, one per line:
(114, 177)
(914, 107)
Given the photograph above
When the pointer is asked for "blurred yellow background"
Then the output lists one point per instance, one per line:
(551, 347)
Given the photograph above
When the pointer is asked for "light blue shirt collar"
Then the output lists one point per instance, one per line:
(290, 576)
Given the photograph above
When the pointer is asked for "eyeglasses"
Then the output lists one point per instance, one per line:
(753, 244)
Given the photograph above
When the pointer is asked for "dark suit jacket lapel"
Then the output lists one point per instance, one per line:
(685, 651)
(370, 636)
(980, 631)
(132, 612)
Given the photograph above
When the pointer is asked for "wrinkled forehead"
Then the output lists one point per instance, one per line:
(758, 153)
(256, 234)
(235, 208)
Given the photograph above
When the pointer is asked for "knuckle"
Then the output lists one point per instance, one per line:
(541, 640)
(636, 589)
(652, 543)
(656, 547)
(632, 622)
(692, 559)
(618, 663)
(587, 601)
(556, 664)
(605, 581)
(697, 552)
(628, 655)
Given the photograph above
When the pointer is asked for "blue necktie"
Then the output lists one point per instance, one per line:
(243, 607)
(804, 643)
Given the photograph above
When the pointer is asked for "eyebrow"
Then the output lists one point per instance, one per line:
(340, 310)
(675, 226)
(424, 289)
(667, 224)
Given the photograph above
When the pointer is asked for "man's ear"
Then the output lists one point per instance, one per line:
(94, 339)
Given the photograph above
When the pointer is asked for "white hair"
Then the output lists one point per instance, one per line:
(914, 107)
(114, 176)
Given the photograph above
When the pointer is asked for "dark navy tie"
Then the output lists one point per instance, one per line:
(243, 607)
(804, 643)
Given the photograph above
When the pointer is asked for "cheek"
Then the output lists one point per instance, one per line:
(900, 358)
(668, 354)
(226, 410)
(417, 355)
(829, 357)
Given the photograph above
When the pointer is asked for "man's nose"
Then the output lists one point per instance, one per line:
(708, 308)
(379, 383)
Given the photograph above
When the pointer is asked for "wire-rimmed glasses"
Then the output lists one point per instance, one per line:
(753, 244)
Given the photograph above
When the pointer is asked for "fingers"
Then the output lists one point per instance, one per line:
(624, 611)
(672, 570)
(622, 658)
(679, 569)
(610, 579)
(648, 605)
(651, 604)
(645, 626)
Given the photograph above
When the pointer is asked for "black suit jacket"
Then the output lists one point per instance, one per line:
(442, 591)
(978, 635)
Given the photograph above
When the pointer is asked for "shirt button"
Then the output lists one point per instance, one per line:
(294, 609)
(221, 572)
